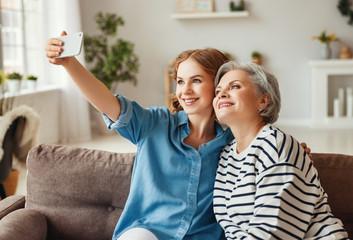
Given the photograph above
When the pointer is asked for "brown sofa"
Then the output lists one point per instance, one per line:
(76, 193)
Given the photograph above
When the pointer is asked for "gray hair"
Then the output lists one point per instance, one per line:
(264, 83)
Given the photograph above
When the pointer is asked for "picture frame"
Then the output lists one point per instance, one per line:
(186, 6)
(195, 6)
(204, 6)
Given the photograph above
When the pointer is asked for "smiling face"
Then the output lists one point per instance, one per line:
(236, 98)
(195, 88)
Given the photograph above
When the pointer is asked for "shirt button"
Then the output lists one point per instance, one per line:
(110, 208)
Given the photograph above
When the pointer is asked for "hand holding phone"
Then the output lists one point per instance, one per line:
(72, 44)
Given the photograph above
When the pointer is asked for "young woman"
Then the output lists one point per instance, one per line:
(266, 186)
(177, 155)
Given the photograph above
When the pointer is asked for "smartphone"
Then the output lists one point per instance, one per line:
(72, 44)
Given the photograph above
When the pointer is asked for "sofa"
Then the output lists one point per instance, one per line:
(78, 193)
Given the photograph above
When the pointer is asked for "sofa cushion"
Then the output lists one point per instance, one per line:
(336, 176)
(80, 191)
(24, 224)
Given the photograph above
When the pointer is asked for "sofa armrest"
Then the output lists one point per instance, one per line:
(10, 204)
(24, 224)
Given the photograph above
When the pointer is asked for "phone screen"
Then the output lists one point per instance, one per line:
(72, 44)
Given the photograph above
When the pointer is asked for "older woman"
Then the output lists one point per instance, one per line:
(266, 186)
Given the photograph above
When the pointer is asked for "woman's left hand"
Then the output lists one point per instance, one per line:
(308, 151)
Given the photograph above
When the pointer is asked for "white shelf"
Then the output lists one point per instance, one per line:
(332, 63)
(235, 14)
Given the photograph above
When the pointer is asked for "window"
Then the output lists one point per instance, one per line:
(20, 38)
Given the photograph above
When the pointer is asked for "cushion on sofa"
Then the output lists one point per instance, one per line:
(335, 172)
(80, 191)
(24, 224)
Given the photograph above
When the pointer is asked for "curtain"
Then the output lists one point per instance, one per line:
(74, 122)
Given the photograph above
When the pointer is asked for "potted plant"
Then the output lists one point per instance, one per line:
(31, 81)
(113, 59)
(237, 7)
(256, 57)
(325, 39)
(13, 82)
(2, 83)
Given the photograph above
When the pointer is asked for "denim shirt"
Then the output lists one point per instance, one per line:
(172, 183)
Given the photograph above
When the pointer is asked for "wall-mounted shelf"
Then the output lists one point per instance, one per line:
(236, 14)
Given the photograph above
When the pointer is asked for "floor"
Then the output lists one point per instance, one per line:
(322, 141)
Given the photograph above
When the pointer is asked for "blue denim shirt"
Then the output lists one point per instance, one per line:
(172, 183)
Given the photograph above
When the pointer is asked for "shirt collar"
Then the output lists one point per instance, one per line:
(182, 118)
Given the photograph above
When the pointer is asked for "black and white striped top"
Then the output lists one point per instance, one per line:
(272, 191)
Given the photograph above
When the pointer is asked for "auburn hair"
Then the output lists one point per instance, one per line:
(209, 59)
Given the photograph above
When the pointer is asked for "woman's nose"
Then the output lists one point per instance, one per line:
(187, 88)
(222, 94)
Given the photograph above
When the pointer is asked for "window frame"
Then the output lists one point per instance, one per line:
(25, 9)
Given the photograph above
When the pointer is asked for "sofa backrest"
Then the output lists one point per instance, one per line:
(336, 176)
(80, 191)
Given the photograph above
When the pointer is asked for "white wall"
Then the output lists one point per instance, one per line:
(280, 30)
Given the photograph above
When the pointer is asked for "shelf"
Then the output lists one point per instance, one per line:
(236, 14)
(332, 63)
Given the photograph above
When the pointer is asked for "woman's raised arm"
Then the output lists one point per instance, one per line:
(91, 87)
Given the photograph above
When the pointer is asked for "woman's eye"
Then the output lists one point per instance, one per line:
(180, 82)
(234, 87)
(196, 80)
(217, 92)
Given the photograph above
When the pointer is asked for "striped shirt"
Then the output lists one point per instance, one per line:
(272, 191)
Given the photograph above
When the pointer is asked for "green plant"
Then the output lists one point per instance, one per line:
(324, 37)
(344, 6)
(5, 103)
(14, 75)
(113, 59)
(31, 77)
(2, 77)
(237, 7)
(255, 54)
(2, 88)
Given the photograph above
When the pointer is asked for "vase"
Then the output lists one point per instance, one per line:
(257, 60)
(13, 85)
(326, 51)
(11, 182)
(31, 84)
